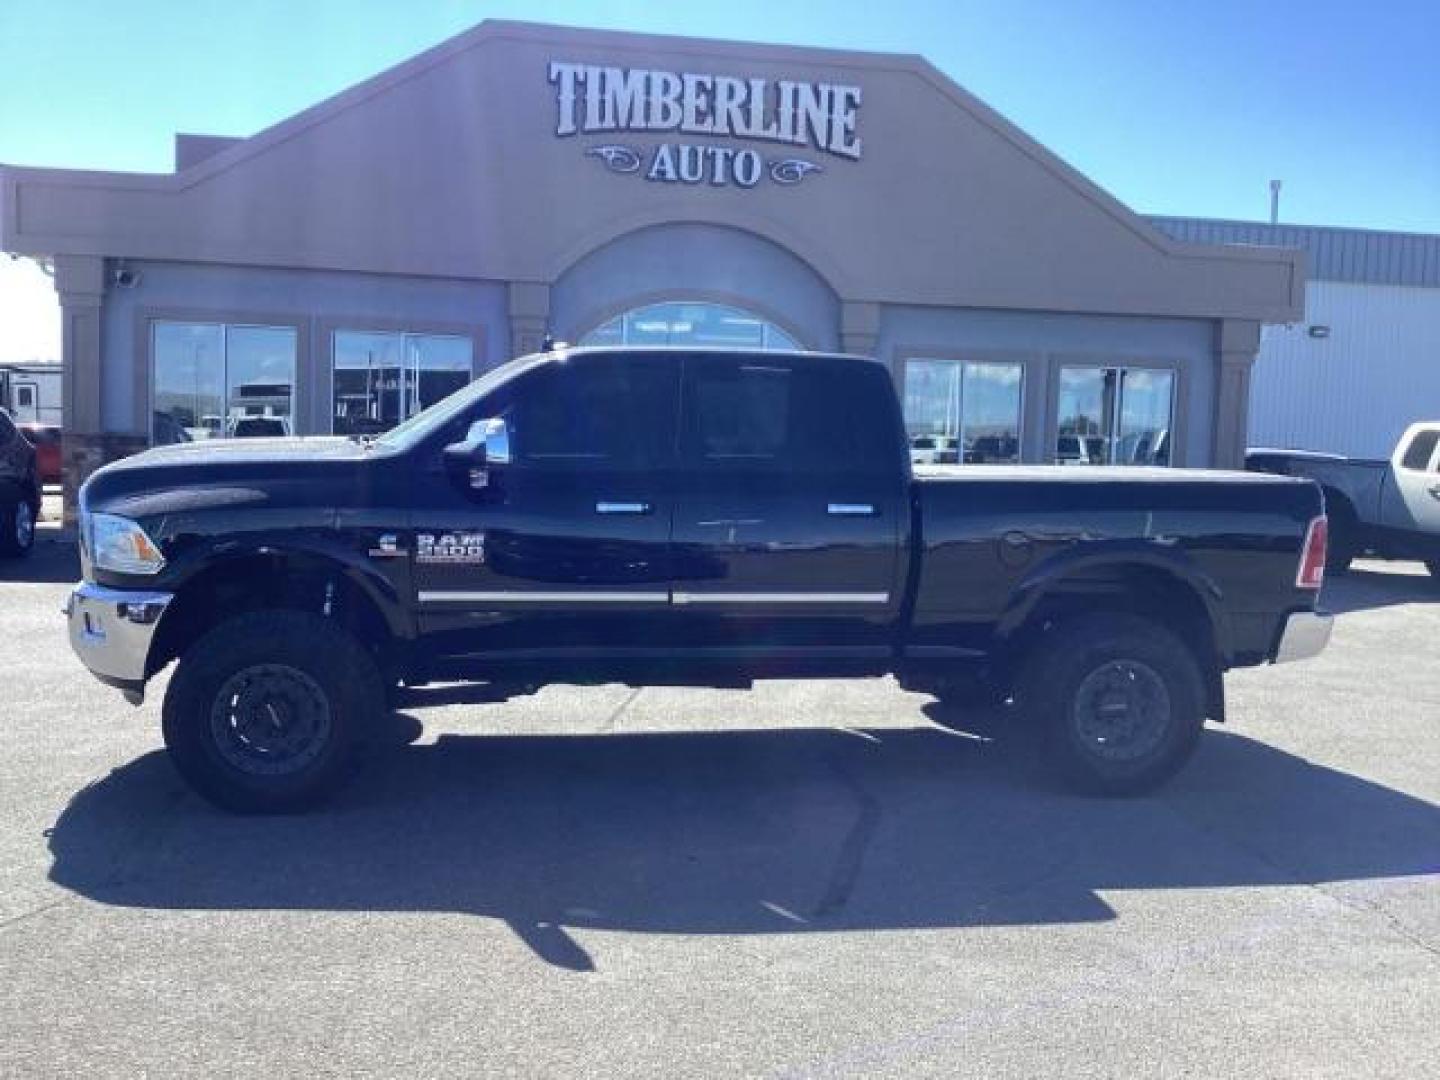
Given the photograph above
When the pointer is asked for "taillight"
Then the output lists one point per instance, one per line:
(1311, 574)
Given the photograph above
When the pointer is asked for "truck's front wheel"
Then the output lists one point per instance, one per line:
(1120, 700)
(262, 712)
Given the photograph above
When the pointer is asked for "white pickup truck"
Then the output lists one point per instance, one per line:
(1387, 509)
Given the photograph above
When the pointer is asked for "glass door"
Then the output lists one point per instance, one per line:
(384, 377)
(1114, 416)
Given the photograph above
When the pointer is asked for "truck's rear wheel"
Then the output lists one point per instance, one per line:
(1120, 701)
(263, 711)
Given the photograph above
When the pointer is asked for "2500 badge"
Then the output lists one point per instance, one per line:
(450, 547)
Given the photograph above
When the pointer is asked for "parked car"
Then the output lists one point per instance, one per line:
(1079, 450)
(45, 438)
(763, 521)
(259, 427)
(19, 490)
(935, 450)
(165, 430)
(1386, 509)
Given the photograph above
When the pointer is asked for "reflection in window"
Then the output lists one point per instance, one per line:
(214, 380)
(963, 411)
(678, 322)
(1113, 415)
(384, 377)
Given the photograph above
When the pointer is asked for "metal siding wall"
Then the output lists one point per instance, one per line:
(1382, 258)
(1357, 390)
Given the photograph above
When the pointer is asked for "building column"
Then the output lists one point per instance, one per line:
(859, 327)
(1238, 341)
(529, 316)
(80, 283)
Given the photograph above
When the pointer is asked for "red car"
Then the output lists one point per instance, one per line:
(46, 440)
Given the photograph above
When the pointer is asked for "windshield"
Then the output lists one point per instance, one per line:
(407, 435)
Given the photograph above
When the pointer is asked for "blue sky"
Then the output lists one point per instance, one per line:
(1175, 107)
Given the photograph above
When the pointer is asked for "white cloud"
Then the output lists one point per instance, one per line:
(29, 312)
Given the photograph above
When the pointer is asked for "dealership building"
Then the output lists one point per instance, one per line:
(357, 261)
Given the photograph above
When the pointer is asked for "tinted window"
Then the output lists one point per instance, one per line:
(604, 413)
(813, 416)
(1422, 446)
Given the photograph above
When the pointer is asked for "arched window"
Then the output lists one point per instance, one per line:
(691, 322)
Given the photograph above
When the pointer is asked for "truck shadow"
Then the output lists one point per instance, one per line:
(51, 560)
(755, 832)
(1365, 589)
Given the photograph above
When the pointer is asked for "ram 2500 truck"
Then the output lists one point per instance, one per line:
(1386, 509)
(675, 517)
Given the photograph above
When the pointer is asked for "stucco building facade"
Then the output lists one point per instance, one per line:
(349, 265)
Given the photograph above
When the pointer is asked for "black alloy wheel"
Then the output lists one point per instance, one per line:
(264, 710)
(1119, 699)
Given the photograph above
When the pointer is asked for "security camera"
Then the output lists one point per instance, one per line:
(125, 278)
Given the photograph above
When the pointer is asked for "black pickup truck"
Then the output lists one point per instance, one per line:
(675, 517)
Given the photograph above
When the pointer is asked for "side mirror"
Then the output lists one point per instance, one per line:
(485, 445)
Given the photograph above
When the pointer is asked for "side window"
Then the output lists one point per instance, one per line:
(608, 413)
(810, 417)
(1421, 449)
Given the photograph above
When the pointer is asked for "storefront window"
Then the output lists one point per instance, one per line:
(215, 380)
(1114, 416)
(682, 322)
(384, 377)
(963, 411)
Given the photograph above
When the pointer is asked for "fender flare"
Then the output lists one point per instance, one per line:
(1055, 570)
(316, 552)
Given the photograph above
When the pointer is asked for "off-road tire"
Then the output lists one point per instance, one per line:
(1058, 696)
(342, 690)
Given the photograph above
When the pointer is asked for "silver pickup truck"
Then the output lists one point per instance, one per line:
(1386, 509)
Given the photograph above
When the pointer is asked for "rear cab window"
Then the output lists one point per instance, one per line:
(810, 415)
(1421, 450)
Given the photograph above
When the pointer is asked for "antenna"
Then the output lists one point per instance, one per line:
(1275, 202)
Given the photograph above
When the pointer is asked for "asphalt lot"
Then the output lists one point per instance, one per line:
(809, 879)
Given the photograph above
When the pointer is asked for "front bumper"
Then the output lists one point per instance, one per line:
(1306, 634)
(111, 631)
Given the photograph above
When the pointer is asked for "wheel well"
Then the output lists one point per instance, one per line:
(270, 582)
(1135, 589)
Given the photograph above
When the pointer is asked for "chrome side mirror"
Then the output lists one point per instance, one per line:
(494, 436)
(486, 444)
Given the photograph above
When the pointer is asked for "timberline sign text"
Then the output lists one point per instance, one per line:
(593, 99)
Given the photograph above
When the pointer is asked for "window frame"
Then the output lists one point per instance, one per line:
(965, 357)
(1179, 398)
(322, 375)
(143, 386)
(326, 342)
(742, 305)
(226, 322)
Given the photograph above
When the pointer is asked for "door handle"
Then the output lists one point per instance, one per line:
(839, 509)
(622, 508)
(1434, 490)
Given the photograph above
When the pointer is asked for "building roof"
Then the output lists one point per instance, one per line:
(485, 175)
(1356, 255)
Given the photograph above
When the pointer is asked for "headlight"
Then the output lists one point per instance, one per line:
(119, 544)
